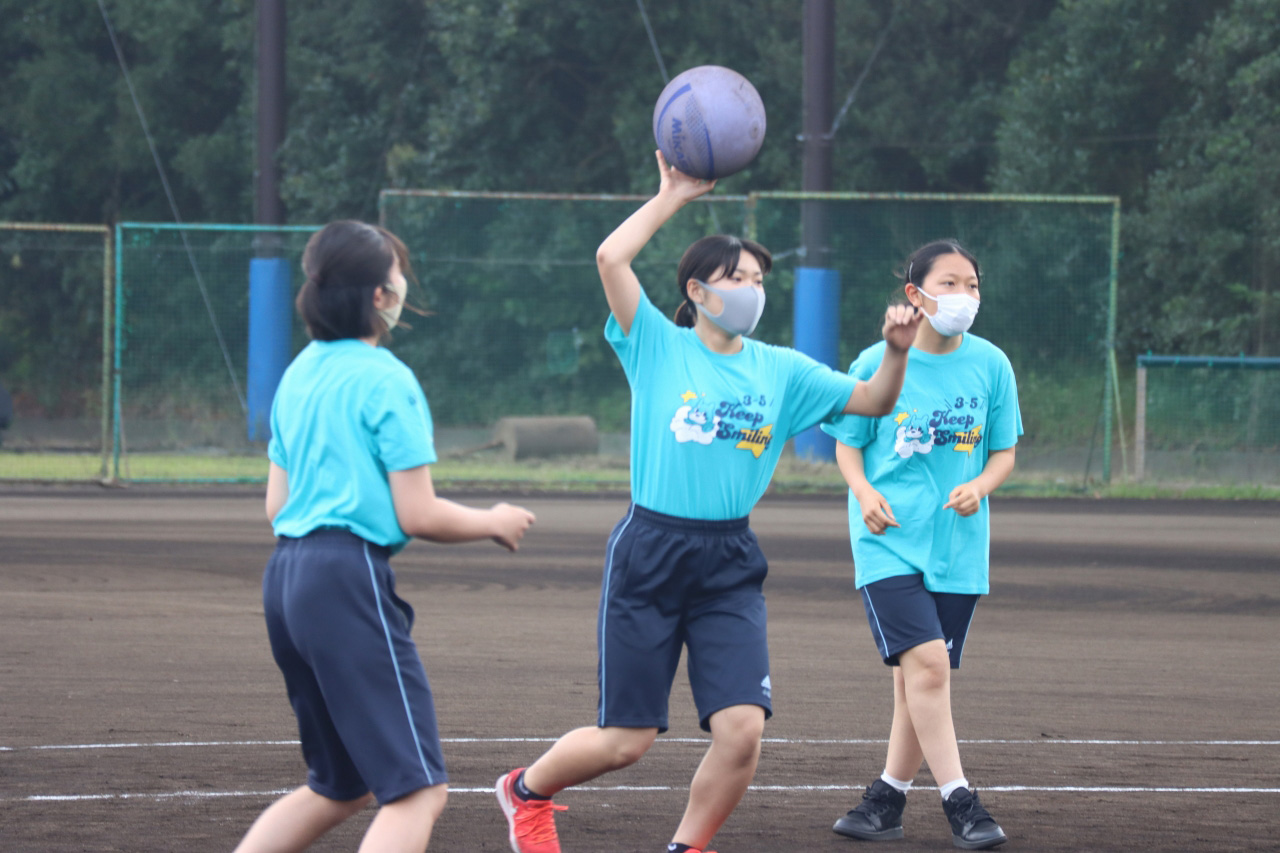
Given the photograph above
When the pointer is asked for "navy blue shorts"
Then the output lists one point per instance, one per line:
(903, 614)
(671, 582)
(340, 636)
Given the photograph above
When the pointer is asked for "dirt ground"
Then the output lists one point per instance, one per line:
(1119, 690)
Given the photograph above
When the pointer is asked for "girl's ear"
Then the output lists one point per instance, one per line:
(913, 294)
(695, 291)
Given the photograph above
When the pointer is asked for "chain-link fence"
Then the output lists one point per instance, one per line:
(55, 309)
(1207, 419)
(516, 314)
(513, 280)
(182, 348)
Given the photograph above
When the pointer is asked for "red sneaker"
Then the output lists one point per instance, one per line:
(531, 823)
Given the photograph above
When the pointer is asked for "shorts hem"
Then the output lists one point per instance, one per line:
(334, 794)
(704, 721)
(660, 725)
(410, 789)
(899, 648)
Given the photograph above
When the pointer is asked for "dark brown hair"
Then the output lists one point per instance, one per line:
(345, 263)
(718, 253)
(917, 266)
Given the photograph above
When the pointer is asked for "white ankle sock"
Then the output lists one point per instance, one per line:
(897, 784)
(951, 786)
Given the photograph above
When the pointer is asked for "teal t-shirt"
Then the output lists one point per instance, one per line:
(344, 415)
(707, 429)
(954, 410)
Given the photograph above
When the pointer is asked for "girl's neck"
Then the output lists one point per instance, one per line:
(717, 339)
(928, 340)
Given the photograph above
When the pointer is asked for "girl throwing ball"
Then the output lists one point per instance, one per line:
(710, 411)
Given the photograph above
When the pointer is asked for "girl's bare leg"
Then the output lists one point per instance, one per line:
(926, 681)
(585, 753)
(296, 820)
(904, 756)
(404, 826)
(724, 774)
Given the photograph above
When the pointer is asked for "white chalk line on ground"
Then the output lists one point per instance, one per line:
(1055, 789)
(179, 795)
(694, 740)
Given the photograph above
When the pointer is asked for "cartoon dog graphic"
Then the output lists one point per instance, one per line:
(689, 424)
(909, 441)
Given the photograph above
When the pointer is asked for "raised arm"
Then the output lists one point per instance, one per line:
(878, 395)
(619, 249)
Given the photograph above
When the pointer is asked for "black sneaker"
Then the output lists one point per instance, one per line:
(972, 827)
(878, 817)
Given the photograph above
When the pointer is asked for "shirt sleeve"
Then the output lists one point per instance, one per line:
(815, 393)
(399, 420)
(1006, 415)
(856, 430)
(643, 341)
(275, 447)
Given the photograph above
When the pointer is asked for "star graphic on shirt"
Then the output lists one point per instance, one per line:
(688, 395)
(755, 440)
(967, 440)
(902, 416)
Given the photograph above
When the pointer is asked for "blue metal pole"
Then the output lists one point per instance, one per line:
(817, 334)
(270, 328)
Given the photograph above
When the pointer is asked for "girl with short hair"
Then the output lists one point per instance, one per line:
(349, 485)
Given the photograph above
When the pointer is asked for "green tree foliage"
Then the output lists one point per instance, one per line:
(1173, 107)
(74, 149)
(470, 94)
(558, 96)
(1208, 242)
(1167, 103)
(1087, 93)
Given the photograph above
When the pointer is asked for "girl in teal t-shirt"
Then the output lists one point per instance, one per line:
(710, 411)
(918, 484)
(348, 485)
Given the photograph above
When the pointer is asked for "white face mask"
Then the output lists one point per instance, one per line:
(740, 309)
(955, 313)
(391, 315)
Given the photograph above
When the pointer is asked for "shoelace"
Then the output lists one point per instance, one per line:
(972, 811)
(876, 803)
(535, 820)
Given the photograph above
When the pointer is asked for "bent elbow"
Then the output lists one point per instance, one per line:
(607, 258)
(415, 525)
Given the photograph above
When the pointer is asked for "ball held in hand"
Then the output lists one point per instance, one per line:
(709, 122)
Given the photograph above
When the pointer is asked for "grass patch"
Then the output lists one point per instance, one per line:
(568, 474)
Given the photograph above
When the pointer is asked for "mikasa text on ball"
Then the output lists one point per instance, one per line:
(709, 122)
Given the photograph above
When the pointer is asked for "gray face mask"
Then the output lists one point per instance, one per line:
(740, 310)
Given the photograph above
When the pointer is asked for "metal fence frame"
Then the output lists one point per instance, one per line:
(108, 315)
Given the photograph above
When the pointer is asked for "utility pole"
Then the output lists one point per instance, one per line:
(270, 291)
(817, 294)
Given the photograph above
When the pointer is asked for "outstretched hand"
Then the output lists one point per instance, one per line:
(675, 183)
(900, 325)
(510, 523)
